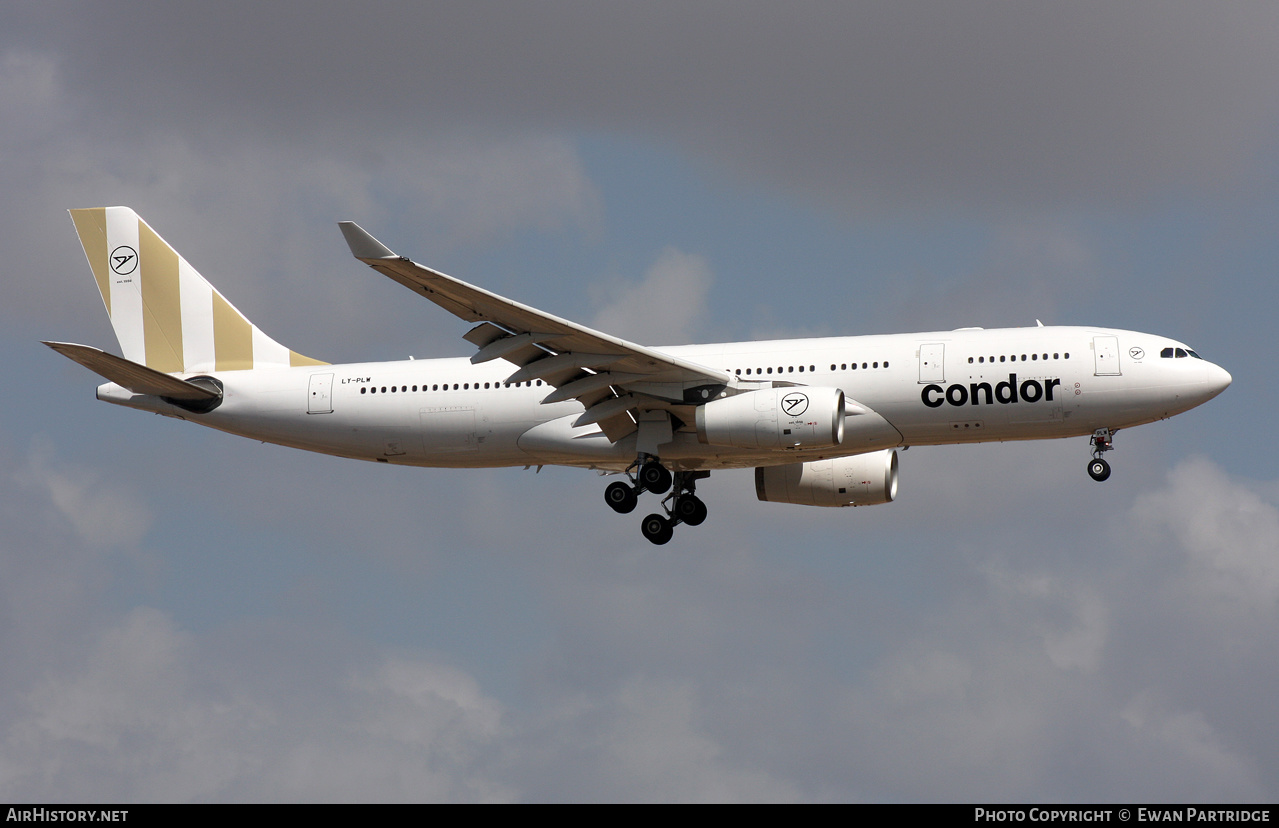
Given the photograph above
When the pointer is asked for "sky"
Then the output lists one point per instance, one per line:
(189, 616)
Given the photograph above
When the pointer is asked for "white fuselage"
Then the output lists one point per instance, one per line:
(920, 389)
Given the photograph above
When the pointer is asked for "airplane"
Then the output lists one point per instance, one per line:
(819, 420)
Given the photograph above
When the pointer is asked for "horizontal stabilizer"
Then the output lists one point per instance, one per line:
(137, 378)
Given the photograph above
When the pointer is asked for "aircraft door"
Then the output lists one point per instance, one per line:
(319, 398)
(932, 362)
(1106, 353)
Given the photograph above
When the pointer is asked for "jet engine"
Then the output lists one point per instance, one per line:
(860, 480)
(796, 417)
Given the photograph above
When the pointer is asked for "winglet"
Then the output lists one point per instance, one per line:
(364, 246)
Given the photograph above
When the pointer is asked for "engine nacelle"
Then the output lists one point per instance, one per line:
(860, 480)
(799, 417)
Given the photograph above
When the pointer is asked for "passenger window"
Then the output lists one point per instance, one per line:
(363, 390)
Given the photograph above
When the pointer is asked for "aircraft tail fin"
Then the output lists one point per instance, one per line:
(166, 316)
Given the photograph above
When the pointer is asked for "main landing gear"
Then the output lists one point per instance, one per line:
(1102, 441)
(682, 505)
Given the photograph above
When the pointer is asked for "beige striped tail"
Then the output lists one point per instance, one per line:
(165, 315)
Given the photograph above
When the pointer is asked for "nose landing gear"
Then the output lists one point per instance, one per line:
(1101, 441)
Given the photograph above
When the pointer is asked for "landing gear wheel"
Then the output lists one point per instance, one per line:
(657, 529)
(690, 510)
(654, 477)
(1098, 469)
(620, 497)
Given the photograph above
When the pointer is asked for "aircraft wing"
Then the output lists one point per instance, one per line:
(609, 376)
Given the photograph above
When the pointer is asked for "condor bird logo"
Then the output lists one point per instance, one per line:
(124, 260)
(794, 404)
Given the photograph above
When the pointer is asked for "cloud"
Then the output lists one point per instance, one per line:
(256, 215)
(144, 718)
(663, 307)
(647, 741)
(1006, 630)
(735, 668)
(1225, 533)
(103, 510)
(866, 106)
(1027, 270)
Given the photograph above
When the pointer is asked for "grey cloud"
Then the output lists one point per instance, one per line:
(263, 224)
(866, 105)
(1006, 630)
(774, 665)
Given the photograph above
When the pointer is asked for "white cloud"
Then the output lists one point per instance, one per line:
(1225, 531)
(647, 740)
(1071, 619)
(1191, 744)
(663, 307)
(103, 509)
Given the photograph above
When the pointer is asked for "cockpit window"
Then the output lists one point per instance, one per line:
(1181, 353)
(1166, 353)
(1193, 354)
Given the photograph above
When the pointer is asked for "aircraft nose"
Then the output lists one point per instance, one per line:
(1219, 379)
